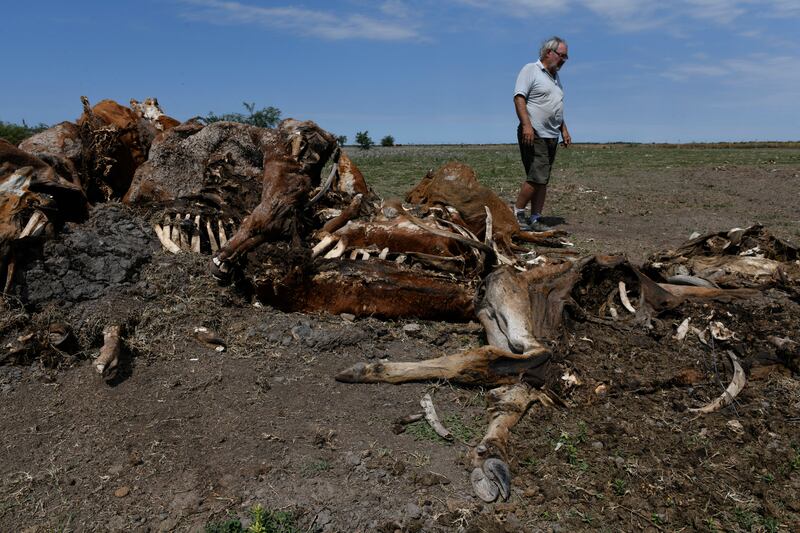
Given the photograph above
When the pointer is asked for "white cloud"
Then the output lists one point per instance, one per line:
(776, 72)
(329, 25)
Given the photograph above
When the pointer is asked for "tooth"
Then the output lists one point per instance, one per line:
(223, 238)
(196, 235)
(212, 241)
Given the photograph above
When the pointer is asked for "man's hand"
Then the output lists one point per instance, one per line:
(566, 138)
(528, 135)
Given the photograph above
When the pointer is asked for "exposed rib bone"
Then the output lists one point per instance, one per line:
(109, 353)
(623, 296)
(354, 254)
(212, 240)
(34, 226)
(400, 259)
(223, 237)
(196, 235)
(487, 238)
(691, 280)
(323, 245)
(364, 255)
(383, 253)
(433, 419)
(166, 242)
(736, 385)
(337, 251)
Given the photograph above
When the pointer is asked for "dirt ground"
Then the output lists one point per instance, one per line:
(186, 436)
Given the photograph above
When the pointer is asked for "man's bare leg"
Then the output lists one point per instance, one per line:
(526, 193)
(537, 200)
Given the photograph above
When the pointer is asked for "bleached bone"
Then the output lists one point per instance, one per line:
(35, 225)
(683, 329)
(720, 332)
(487, 238)
(323, 245)
(337, 251)
(383, 253)
(110, 352)
(196, 235)
(433, 419)
(166, 242)
(623, 296)
(353, 254)
(209, 338)
(737, 383)
(212, 240)
(364, 255)
(400, 259)
(613, 312)
(223, 237)
(449, 235)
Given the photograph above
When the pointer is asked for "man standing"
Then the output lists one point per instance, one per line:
(539, 102)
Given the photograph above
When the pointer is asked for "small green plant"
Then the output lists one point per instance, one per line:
(263, 521)
(619, 487)
(529, 463)
(364, 140)
(315, 467)
(387, 141)
(770, 524)
(568, 445)
(461, 430)
(656, 519)
(768, 478)
(794, 462)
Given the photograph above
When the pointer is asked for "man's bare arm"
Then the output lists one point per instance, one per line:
(565, 135)
(522, 114)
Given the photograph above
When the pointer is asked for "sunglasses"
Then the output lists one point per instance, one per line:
(559, 54)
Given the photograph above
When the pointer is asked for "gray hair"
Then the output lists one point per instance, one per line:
(550, 44)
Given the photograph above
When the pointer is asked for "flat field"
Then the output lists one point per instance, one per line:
(632, 198)
(189, 438)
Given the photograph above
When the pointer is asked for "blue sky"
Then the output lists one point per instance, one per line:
(424, 71)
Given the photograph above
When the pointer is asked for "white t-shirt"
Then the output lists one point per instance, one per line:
(544, 97)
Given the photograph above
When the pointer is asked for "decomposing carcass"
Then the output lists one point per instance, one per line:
(287, 214)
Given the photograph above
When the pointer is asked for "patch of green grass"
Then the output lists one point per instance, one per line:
(794, 462)
(568, 445)
(462, 429)
(619, 487)
(263, 521)
(394, 171)
(315, 467)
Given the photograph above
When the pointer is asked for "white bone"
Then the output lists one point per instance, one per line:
(430, 415)
(337, 251)
(212, 240)
(166, 242)
(383, 253)
(323, 245)
(736, 385)
(223, 237)
(487, 238)
(175, 233)
(623, 296)
(364, 255)
(354, 254)
(196, 235)
(34, 225)
(683, 329)
(400, 259)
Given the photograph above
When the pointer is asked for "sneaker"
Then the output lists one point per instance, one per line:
(522, 220)
(538, 226)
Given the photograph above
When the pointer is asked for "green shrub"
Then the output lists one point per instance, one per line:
(341, 139)
(387, 141)
(266, 117)
(15, 133)
(364, 140)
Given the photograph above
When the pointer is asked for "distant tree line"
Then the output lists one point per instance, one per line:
(16, 133)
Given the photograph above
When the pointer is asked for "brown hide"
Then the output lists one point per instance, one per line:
(350, 180)
(291, 169)
(370, 288)
(27, 183)
(115, 142)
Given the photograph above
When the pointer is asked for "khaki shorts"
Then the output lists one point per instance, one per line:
(537, 158)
